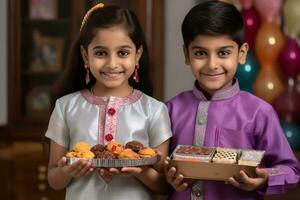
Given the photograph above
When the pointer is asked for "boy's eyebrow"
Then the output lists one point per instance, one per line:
(120, 47)
(223, 47)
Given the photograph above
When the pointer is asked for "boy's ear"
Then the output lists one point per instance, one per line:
(84, 55)
(243, 53)
(139, 53)
(186, 55)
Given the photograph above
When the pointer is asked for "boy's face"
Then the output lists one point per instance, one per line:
(214, 61)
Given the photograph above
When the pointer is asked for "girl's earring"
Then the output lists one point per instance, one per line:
(136, 77)
(87, 76)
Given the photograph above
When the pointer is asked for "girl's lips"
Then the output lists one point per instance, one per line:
(111, 75)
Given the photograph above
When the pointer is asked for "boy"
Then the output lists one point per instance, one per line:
(216, 113)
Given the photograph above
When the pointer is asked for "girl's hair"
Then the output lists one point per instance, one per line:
(73, 77)
(213, 18)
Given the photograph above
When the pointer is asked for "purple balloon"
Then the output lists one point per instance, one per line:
(290, 58)
(252, 23)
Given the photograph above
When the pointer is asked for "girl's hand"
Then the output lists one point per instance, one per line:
(78, 169)
(123, 171)
(178, 183)
(249, 184)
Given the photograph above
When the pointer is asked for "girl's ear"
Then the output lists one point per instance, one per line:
(139, 53)
(243, 53)
(84, 55)
(186, 55)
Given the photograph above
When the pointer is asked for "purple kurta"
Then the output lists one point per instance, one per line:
(234, 119)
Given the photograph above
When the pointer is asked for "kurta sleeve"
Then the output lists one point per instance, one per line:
(160, 128)
(57, 128)
(280, 162)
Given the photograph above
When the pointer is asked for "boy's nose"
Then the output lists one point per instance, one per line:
(212, 62)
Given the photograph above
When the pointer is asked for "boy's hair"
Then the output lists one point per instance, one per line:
(73, 78)
(213, 18)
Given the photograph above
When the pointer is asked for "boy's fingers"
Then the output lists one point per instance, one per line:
(178, 180)
(182, 187)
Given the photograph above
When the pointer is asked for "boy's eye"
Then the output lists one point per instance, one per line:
(224, 53)
(200, 53)
(101, 53)
(123, 53)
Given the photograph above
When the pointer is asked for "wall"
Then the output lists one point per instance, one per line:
(178, 76)
(3, 62)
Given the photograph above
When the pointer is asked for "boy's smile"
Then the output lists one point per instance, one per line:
(214, 61)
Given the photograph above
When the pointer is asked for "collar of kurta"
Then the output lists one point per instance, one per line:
(121, 101)
(219, 94)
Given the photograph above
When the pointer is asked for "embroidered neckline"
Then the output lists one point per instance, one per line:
(93, 99)
(220, 94)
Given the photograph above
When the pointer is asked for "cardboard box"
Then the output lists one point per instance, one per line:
(210, 170)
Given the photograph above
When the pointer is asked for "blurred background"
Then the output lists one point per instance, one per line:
(36, 35)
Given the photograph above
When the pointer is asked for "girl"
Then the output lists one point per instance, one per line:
(106, 54)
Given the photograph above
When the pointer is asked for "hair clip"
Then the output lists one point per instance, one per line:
(95, 7)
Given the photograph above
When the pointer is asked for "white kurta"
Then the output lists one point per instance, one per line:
(81, 116)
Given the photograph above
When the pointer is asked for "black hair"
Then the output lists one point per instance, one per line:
(73, 77)
(213, 18)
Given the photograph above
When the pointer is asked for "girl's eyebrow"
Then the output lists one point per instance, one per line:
(120, 47)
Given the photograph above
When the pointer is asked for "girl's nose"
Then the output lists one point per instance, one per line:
(112, 61)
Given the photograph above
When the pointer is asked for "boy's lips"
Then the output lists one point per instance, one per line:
(212, 75)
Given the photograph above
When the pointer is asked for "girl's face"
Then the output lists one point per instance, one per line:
(112, 57)
(214, 61)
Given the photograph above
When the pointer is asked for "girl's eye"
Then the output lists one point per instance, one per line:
(200, 53)
(101, 53)
(123, 53)
(224, 53)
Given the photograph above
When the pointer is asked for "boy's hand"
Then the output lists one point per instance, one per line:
(78, 169)
(249, 184)
(176, 182)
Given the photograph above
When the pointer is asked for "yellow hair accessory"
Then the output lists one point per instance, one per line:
(95, 7)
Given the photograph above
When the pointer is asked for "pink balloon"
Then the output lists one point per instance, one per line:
(290, 58)
(268, 9)
(246, 4)
(252, 23)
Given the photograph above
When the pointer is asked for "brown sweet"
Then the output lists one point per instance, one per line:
(134, 145)
(98, 148)
(105, 155)
(147, 152)
(128, 154)
(114, 147)
(194, 150)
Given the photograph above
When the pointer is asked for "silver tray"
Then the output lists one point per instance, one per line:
(117, 162)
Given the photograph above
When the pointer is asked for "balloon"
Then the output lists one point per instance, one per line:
(252, 23)
(268, 9)
(247, 72)
(291, 16)
(236, 3)
(292, 133)
(286, 104)
(290, 58)
(268, 43)
(268, 85)
(246, 4)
